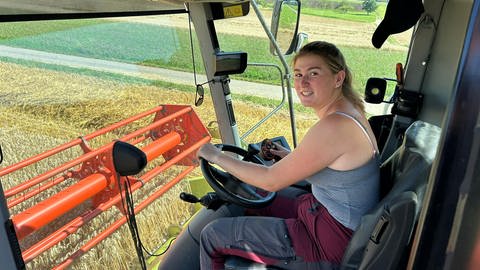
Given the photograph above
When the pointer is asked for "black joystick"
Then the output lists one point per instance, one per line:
(210, 200)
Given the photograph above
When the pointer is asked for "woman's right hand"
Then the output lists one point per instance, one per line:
(209, 152)
(279, 150)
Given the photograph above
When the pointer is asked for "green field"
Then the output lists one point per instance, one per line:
(347, 13)
(349, 16)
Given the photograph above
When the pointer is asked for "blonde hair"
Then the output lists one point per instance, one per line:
(336, 62)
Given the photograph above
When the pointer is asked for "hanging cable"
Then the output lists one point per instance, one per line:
(129, 209)
(199, 89)
(1, 155)
(191, 44)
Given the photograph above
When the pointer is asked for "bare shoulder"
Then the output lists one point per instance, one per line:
(330, 135)
(333, 124)
(338, 132)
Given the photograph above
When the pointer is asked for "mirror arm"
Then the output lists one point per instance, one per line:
(288, 75)
(277, 108)
(290, 108)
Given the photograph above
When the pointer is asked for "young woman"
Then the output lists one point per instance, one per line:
(337, 156)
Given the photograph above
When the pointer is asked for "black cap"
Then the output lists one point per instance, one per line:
(400, 15)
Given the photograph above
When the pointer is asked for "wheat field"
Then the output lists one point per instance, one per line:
(40, 109)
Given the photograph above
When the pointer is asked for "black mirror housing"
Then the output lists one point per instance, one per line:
(128, 159)
(375, 90)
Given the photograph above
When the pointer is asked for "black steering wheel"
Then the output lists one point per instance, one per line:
(231, 189)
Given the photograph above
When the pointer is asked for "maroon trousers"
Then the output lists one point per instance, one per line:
(294, 232)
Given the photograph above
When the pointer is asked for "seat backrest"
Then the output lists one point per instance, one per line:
(406, 171)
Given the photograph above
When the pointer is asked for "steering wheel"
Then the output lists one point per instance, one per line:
(230, 188)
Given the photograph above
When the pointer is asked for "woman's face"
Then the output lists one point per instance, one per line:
(316, 85)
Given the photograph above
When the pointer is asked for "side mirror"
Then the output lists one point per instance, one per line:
(302, 38)
(128, 159)
(375, 90)
(284, 25)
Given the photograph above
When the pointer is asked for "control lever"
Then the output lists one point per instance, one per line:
(187, 197)
(210, 200)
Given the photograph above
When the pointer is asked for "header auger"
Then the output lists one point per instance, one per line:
(175, 133)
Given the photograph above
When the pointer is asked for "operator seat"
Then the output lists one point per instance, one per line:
(385, 232)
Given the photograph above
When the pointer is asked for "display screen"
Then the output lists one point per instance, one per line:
(230, 63)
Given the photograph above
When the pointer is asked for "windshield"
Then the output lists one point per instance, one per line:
(64, 79)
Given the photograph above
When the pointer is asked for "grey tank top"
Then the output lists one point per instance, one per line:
(348, 195)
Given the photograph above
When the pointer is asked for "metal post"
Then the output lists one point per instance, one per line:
(10, 253)
(220, 91)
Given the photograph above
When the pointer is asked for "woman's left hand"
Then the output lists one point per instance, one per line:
(209, 152)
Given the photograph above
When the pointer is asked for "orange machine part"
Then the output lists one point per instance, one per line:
(175, 133)
(43, 213)
(158, 147)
